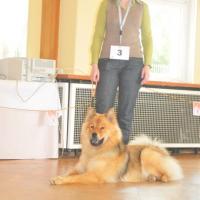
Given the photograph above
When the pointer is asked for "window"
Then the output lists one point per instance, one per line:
(173, 27)
(13, 25)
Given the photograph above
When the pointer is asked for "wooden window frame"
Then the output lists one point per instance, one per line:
(50, 29)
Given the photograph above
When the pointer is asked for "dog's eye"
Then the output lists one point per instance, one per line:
(92, 126)
(102, 128)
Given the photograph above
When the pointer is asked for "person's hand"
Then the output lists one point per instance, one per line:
(94, 75)
(145, 74)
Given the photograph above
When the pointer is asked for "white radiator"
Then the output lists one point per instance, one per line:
(63, 119)
(161, 113)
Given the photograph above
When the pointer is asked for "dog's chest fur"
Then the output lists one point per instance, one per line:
(112, 165)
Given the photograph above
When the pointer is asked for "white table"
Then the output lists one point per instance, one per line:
(26, 128)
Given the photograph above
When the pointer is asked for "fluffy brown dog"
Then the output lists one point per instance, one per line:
(105, 159)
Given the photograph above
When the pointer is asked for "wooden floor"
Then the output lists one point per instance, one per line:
(28, 180)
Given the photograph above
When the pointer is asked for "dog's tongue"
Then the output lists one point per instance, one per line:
(96, 141)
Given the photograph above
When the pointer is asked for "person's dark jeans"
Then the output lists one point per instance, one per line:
(127, 76)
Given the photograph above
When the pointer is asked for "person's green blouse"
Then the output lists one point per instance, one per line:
(100, 27)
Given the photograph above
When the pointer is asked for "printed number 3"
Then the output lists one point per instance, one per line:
(119, 52)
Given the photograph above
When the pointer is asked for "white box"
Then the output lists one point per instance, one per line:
(26, 128)
(27, 135)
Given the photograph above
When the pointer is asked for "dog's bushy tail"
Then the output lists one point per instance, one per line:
(145, 140)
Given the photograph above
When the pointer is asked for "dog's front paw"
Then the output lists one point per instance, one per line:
(58, 180)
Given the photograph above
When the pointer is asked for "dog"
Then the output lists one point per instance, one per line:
(105, 159)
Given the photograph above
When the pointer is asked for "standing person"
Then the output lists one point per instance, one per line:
(121, 57)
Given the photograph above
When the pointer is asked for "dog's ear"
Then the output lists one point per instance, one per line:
(90, 113)
(111, 116)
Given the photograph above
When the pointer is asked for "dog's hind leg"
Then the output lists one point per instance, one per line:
(159, 166)
(151, 165)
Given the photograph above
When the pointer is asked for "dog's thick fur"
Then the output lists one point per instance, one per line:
(105, 159)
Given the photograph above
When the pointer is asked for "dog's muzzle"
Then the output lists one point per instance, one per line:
(95, 141)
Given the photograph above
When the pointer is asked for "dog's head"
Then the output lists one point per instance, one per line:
(101, 129)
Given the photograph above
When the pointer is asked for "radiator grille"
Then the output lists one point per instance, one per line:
(62, 120)
(82, 98)
(165, 116)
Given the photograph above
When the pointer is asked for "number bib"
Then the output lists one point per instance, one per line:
(119, 52)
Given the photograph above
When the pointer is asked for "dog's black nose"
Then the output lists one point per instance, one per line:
(94, 136)
(94, 140)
